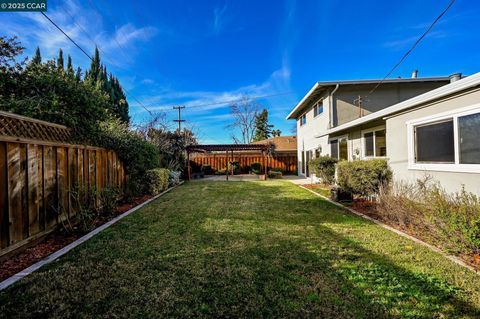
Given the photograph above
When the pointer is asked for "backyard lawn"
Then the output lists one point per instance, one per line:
(246, 249)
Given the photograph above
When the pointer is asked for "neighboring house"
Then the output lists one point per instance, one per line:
(331, 104)
(285, 153)
(436, 133)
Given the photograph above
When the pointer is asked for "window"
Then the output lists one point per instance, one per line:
(339, 148)
(469, 135)
(447, 141)
(434, 143)
(303, 119)
(318, 108)
(375, 143)
(317, 152)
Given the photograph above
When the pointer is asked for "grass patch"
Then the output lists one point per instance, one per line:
(246, 249)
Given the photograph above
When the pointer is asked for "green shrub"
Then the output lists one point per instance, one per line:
(324, 168)
(444, 219)
(256, 168)
(363, 177)
(156, 180)
(109, 200)
(207, 169)
(275, 174)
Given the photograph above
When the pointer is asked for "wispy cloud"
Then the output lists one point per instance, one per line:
(399, 44)
(219, 18)
(82, 24)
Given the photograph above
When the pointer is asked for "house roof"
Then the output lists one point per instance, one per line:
(443, 91)
(320, 86)
(282, 143)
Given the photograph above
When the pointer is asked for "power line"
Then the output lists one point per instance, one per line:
(413, 46)
(88, 56)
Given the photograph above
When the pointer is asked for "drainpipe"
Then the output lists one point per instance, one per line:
(331, 105)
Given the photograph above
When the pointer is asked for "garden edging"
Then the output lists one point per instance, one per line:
(27, 271)
(399, 232)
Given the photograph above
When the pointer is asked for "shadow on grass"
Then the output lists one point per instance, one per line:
(233, 250)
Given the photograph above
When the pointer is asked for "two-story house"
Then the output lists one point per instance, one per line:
(334, 103)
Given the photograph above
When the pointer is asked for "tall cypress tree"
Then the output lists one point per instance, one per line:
(78, 74)
(60, 62)
(37, 58)
(70, 71)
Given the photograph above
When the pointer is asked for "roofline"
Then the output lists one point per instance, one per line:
(454, 87)
(361, 82)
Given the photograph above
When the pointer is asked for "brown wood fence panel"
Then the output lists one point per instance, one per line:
(286, 162)
(37, 180)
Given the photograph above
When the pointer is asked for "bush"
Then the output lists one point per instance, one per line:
(324, 168)
(363, 177)
(275, 174)
(109, 200)
(207, 169)
(156, 180)
(445, 219)
(256, 168)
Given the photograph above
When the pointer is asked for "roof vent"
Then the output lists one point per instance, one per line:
(414, 74)
(455, 77)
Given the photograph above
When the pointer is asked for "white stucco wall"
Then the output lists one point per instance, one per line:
(306, 140)
(397, 145)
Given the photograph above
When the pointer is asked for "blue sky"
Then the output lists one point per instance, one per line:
(203, 52)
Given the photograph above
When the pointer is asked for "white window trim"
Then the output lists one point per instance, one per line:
(442, 167)
(363, 150)
(338, 138)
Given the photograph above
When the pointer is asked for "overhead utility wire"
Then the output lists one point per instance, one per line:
(84, 52)
(413, 46)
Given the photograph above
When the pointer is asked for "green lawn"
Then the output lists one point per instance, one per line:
(246, 249)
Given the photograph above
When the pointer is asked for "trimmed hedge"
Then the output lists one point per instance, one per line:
(275, 174)
(324, 168)
(157, 180)
(363, 177)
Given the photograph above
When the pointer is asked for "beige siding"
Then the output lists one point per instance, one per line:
(397, 145)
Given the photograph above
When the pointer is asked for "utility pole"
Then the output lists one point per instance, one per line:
(179, 120)
(359, 102)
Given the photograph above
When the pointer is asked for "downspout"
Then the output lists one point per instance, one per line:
(330, 106)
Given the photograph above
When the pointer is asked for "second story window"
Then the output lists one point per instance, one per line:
(318, 109)
(303, 119)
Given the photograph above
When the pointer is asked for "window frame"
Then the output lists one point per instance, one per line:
(444, 116)
(315, 107)
(338, 138)
(370, 130)
(303, 116)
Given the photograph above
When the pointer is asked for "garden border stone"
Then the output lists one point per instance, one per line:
(399, 232)
(27, 271)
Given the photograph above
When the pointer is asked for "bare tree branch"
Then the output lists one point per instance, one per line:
(244, 113)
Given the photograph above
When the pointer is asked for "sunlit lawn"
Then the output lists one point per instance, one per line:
(246, 249)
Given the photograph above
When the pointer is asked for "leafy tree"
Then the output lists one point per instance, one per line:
(276, 133)
(10, 49)
(263, 130)
(70, 71)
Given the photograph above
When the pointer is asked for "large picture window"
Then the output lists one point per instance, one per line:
(375, 143)
(446, 142)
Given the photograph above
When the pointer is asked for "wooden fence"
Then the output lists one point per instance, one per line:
(37, 183)
(218, 161)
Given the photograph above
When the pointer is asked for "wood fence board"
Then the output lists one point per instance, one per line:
(62, 183)
(34, 191)
(4, 233)
(50, 186)
(17, 190)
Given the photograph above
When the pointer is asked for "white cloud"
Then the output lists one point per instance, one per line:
(219, 18)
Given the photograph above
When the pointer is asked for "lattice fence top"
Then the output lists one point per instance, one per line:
(13, 125)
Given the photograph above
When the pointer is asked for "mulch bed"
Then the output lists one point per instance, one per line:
(368, 208)
(55, 241)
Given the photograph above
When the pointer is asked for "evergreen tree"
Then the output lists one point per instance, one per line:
(60, 62)
(263, 130)
(37, 58)
(70, 71)
(95, 69)
(78, 74)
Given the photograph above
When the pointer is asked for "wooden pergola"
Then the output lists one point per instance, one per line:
(228, 149)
